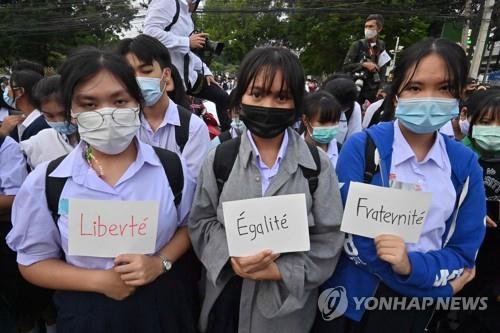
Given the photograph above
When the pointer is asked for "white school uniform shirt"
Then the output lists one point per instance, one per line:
(27, 122)
(13, 170)
(196, 147)
(432, 174)
(46, 145)
(4, 112)
(159, 15)
(447, 130)
(354, 125)
(35, 236)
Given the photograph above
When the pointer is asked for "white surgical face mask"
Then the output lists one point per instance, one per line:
(464, 126)
(370, 33)
(117, 129)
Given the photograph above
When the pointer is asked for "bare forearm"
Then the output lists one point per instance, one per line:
(6, 202)
(178, 245)
(57, 274)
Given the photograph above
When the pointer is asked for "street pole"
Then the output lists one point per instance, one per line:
(481, 40)
(396, 49)
(465, 29)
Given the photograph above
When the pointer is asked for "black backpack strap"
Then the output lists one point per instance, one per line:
(370, 167)
(172, 165)
(310, 174)
(176, 16)
(182, 131)
(54, 187)
(225, 136)
(225, 155)
(349, 112)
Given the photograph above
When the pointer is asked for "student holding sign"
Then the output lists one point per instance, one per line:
(128, 292)
(410, 154)
(265, 292)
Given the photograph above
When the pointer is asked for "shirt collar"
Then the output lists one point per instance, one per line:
(30, 118)
(281, 152)
(171, 117)
(75, 165)
(297, 152)
(402, 150)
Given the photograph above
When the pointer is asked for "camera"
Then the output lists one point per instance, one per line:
(359, 79)
(210, 49)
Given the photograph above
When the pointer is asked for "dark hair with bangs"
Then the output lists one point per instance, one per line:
(25, 79)
(452, 54)
(88, 62)
(485, 103)
(146, 49)
(324, 105)
(268, 61)
(46, 89)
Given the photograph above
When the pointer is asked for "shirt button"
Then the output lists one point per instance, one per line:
(257, 179)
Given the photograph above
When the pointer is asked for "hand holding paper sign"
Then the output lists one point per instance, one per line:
(392, 249)
(258, 267)
(138, 269)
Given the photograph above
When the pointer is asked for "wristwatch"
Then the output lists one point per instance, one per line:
(167, 264)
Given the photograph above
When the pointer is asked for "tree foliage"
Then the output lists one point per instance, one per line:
(321, 31)
(46, 30)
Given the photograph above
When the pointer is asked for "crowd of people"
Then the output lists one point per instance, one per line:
(118, 126)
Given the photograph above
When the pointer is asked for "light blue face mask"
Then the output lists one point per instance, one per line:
(324, 134)
(427, 114)
(151, 90)
(63, 127)
(238, 125)
(7, 99)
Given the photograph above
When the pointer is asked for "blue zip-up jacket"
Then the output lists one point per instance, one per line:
(360, 270)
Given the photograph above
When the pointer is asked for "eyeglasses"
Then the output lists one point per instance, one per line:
(95, 119)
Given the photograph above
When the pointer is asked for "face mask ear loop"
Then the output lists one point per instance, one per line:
(164, 86)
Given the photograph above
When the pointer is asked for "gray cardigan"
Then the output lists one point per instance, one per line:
(269, 306)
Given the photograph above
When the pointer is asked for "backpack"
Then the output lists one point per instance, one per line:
(182, 131)
(170, 161)
(226, 153)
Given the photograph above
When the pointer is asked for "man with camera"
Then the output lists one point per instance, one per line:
(170, 22)
(363, 60)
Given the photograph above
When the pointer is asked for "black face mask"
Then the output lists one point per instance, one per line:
(266, 122)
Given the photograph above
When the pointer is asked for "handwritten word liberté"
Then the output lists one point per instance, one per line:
(253, 229)
(382, 215)
(101, 229)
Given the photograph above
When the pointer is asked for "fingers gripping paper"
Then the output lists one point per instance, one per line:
(276, 223)
(373, 210)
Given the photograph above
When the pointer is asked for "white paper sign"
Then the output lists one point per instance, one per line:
(373, 210)
(276, 223)
(383, 59)
(107, 228)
